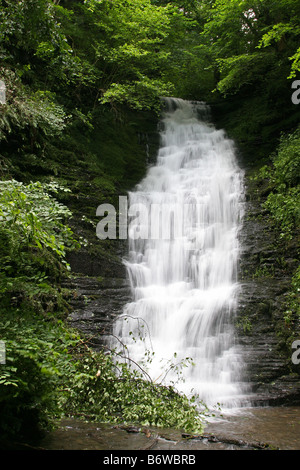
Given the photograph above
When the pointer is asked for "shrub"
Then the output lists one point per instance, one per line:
(283, 202)
(34, 239)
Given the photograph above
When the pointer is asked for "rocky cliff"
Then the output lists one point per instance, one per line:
(101, 289)
(265, 272)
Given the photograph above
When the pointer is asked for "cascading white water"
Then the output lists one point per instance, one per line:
(183, 253)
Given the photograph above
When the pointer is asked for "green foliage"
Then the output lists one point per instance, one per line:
(283, 202)
(140, 95)
(287, 160)
(231, 26)
(32, 379)
(34, 237)
(292, 312)
(295, 64)
(284, 208)
(281, 187)
(242, 71)
(244, 325)
(66, 65)
(32, 40)
(295, 293)
(284, 34)
(189, 63)
(251, 41)
(108, 389)
(134, 53)
(28, 110)
(51, 372)
(34, 241)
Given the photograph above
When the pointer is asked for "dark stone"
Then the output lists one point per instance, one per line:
(261, 305)
(96, 304)
(91, 265)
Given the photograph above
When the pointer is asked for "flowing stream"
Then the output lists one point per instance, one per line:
(185, 218)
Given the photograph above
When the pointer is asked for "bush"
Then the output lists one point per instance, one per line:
(34, 239)
(37, 365)
(31, 115)
(109, 390)
(287, 160)
(283, 202)
(51, 372)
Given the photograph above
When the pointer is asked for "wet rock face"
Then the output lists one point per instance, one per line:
(99, 281)
(265, 282)
(91, 265)
(96, 303)
(101, 291)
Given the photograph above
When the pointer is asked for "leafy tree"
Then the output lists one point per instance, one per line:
(248, 38)
(131, 52)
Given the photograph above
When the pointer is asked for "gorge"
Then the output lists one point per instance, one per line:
(141, 294)
(209, 277)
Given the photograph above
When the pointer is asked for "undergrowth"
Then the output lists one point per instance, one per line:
(49, 370)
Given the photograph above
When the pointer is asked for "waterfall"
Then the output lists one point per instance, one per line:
(182, 260)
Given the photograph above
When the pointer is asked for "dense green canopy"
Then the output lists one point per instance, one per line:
(76, 72)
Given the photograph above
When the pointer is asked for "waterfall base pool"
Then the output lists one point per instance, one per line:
(247, 429)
